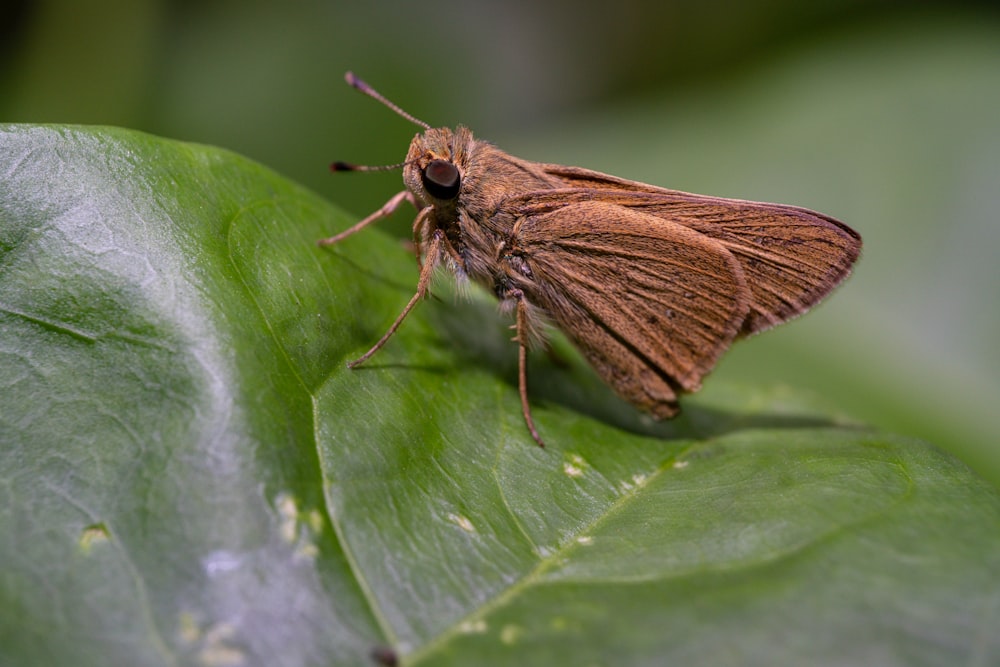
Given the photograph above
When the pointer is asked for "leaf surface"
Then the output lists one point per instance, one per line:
(189, 475)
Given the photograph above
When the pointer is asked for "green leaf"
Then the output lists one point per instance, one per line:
(189, 475)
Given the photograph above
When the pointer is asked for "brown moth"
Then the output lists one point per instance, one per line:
(651, 285)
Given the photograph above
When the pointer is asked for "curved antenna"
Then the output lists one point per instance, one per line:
(360, 85)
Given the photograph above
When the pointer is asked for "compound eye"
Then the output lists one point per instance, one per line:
(441, 179)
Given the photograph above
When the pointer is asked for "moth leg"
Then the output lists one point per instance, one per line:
(522, 363)
(420, 234)
(426, 273)
(385, 211)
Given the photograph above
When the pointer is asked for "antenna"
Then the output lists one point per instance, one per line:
(347, 166)
(360, 85)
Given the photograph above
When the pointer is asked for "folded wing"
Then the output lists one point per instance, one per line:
(791, 257)
(650, 302)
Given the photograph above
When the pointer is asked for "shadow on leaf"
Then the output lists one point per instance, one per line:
(481, 336)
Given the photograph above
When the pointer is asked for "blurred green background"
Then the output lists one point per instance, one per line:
(883, 114)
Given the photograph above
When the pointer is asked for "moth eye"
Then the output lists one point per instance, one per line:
(441, 179)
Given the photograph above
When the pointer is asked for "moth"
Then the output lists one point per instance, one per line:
(651, 285)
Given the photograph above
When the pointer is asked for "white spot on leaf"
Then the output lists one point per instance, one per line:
(575, 465)
(462, 522)
(288, 512)
(220, 562)
(511, 633)
(477, 627)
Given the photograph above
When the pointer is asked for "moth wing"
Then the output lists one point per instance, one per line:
(650, 303)
(791, 257)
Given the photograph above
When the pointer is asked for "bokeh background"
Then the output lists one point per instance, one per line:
(883, 114)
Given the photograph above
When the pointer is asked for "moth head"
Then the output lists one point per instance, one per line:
(436, 165)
